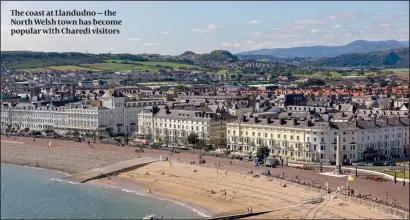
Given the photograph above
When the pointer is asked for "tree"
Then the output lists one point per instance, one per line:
(263, 152)
(192, 138)
(315, 82)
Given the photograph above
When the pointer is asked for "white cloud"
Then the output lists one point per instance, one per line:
(314, 31)
(249, 42)
(210, 28)
(133, 39)
(337, 26)
(166, 32)
(276, 29)
(151, 44)
(254, 22)
(108, 49)
(208, 38)
(384, 25)
(345, 16)
(257, 34)
(226, 45)
(308, 22)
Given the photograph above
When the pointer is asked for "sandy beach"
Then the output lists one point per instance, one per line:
(204, 188)
(63, 159)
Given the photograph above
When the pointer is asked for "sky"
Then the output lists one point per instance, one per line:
(174, 27)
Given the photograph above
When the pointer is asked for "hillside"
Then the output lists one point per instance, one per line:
(359, 46)
(28, 59)
(398, 58)
(218, 55)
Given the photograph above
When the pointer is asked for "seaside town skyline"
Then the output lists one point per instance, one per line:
(248, 117)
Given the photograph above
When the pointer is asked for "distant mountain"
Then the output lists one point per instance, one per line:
(405, 43)
(218, 55)
(398, 58)
(359, 46)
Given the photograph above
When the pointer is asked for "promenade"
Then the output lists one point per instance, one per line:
(379, 190)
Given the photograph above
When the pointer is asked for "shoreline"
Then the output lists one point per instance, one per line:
(200, 211)
(179, 182)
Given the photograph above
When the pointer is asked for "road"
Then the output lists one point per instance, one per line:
(366, 187)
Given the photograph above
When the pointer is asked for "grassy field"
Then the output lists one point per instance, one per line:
(118, 65)
(70, 68)
(403, 72)
(174, 66)
(221, 72)
(33, 70)
(400, 174)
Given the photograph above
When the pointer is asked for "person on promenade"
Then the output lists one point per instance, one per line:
(49, 144)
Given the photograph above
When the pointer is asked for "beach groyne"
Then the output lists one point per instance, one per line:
(111, 169)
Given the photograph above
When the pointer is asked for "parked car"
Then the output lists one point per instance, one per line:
(390, 163)
(361, 164)
(347, 164)
(378, 164)
(332, 163)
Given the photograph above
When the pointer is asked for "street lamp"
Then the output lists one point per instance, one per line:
(356, 170)
(321, 166)
(404, 172)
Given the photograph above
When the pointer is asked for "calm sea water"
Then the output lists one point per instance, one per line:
(35, 193)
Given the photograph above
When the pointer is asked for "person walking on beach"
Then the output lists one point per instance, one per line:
(49, 144)
(34, 139)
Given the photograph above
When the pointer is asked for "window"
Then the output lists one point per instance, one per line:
(308, 138)
(322, 147)
(321, 156)
(297, 138)
(322, 139)
(344, 147)
(278, 135)
(314, 147)
(314, 139)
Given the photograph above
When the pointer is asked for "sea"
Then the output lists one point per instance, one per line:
(35, 193)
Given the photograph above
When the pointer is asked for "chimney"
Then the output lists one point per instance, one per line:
(243, 118)
(167, 110)
(269, 120)
(282, 121)
(256, 119)
(309, 123)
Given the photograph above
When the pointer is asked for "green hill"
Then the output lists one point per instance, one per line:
(398, 58)
(218, 55)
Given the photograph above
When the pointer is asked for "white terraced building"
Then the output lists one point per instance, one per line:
(112, 115)
(173, 126)
(307, 140)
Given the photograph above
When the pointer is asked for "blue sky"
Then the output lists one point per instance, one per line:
(174, 27)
